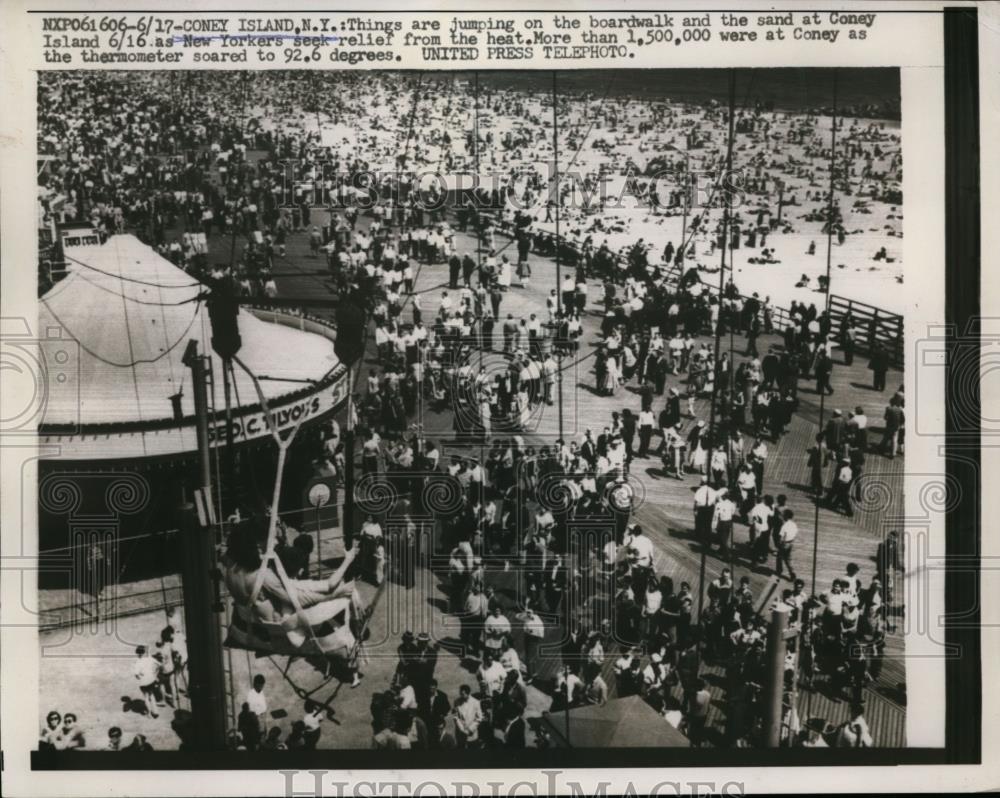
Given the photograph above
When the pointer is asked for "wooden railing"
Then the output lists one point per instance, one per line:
(780, 317)
(875, 324)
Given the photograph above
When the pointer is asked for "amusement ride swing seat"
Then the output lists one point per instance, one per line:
(324, 629)
(269, 615)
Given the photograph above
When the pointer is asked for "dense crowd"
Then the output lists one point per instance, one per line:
(162, 162)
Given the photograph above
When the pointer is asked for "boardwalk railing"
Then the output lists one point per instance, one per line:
(780, 317)
(879, 325)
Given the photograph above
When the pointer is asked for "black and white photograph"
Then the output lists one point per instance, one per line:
(506, 409)
(496, 400)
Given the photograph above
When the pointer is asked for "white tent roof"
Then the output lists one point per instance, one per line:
(131, 314)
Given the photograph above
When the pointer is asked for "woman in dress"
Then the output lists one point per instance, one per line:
(612, 376)
(504, 274)
(697, 453)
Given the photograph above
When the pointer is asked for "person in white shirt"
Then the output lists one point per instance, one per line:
(725, 509)
(640, 549)
(718, 467)
(495, 629)
(510, 660)
(407, 699)
(834, 600)
(147, 673)
(854, 733)
(468, 715)
(646, 422)
(673, 455)
(704, 509)
(256, 699)
(568, 684)
(760, 523)
(746, 482)
(654, 674)
(839, 495)
(623, 663)
(534, 634)
(786, 537)
(595, 689)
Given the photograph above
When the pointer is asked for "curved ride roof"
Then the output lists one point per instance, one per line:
(128, 315)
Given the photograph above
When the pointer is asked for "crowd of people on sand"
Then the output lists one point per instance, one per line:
(161, 151)
(164, 161)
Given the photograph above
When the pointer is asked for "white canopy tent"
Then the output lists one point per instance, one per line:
(127, 314)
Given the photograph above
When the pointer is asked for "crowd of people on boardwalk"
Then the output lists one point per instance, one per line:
(160, 675)
(626, 627)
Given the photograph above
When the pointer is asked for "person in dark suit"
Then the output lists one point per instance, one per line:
(753, 333)
(894, 422)
(646, 394)
(770, 368)
(423, 663)
(602, 441)
(628, 433)
(572, 646)
(824, 370)
(674, 407)
(514, 733)
(879, 365)
(834, 434)
(588, 449)
(439, 707)
(468, 268)
(555, 585)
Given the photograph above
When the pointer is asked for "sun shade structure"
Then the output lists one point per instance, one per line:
(118, 325)
(621, 723)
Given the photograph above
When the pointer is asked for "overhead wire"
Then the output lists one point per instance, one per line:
(135, 280)
(133, 299)
(135, 361)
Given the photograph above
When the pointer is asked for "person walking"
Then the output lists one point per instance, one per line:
(704, 509)
(894, 422)
(787, 533)
(147, 673)
(824, 370)
(725, 509)
(646, 421)
(534, 634)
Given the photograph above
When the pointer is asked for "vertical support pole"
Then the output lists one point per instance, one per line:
(196, 363)
(559, 291)
(349, 464)
(687, 202)
(319, 544)
(716, 333)
(829, 260)
(230, 461)
(568, 697)
(206, 686)
(775, 686)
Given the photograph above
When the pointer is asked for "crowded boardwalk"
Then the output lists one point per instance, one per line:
(571, 565)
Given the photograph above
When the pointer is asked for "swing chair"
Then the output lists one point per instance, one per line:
(269, 616)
